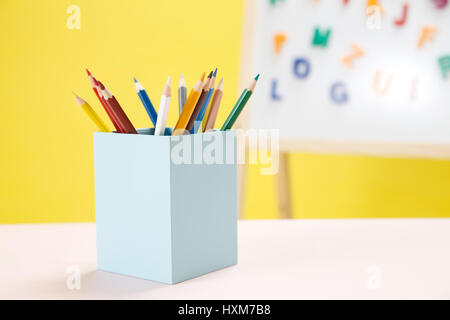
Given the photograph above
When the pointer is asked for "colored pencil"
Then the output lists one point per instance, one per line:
(119, 123)
(124, 123)
(163, 110)
(146, 101)
(198, 106)
(95, 87)
(91, 114)
(214, 109)
(182, 94)
(201, 115)
(239, 105)
(188, 108)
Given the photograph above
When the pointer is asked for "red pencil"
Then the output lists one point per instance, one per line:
(121, 116)
(95, 87)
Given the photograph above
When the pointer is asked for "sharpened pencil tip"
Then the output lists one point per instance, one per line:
(210, 74)
(182, 82)
(101, 86)
(168, 81)
(79, 100)
(135, 81)
(88, 72)
(257, 77)
(203, 76)
(220, 85)
(215, 72)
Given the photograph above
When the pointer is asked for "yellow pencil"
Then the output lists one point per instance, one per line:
(189, 107)
(91, 114)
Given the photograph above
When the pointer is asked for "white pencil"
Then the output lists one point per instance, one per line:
(163, 110)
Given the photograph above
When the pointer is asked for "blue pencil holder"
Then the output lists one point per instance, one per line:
(157, 218)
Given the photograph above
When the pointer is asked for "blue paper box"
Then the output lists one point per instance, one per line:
(160, 220)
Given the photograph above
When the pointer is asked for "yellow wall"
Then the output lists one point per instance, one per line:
(338, 186)
(46, 164)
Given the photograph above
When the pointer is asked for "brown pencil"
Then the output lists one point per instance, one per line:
(123, 122)
(214, 109)
(199, 104)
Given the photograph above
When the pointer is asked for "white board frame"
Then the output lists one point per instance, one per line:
(370, 148)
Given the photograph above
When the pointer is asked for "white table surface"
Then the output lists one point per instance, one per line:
(278, 259)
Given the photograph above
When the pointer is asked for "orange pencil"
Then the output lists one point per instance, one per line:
(189, 106)
(199, 103)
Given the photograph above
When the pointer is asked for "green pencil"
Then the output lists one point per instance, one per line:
(239, 106)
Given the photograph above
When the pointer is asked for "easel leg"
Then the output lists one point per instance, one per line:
(283, 187)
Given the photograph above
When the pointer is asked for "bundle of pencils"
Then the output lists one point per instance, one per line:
(197, 111)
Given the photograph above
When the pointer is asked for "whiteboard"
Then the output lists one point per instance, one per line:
(406, 115)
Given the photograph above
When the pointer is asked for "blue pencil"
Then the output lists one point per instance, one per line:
(198, 121)
(146, 101)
